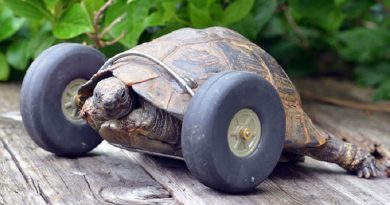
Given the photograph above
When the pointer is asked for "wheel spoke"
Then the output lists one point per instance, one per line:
(74, 112)
(250, 143)
(234, 136)
(247, 121)
(233, 129)
(253, 126)
(68, 105)
(68, 93)
(237, 121)
(238, 142)
(244, 147)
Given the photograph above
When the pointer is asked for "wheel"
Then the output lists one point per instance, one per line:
(49, 115)
(233, 131)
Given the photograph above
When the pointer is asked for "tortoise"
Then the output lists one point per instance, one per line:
(208, 96)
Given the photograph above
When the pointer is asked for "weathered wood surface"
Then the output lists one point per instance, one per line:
(30, 175)
(370, 130)
(109, 175)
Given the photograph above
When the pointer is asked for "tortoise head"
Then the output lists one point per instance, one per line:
(113, 98)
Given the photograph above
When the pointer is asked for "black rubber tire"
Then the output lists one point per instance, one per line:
(205, 125)
(41, 93)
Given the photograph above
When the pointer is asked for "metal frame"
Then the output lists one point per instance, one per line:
(176, 76)
(147, 152)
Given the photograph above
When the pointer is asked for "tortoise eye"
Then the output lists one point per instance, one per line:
(123, 94)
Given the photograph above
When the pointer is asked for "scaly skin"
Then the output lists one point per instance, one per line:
(346, 155)
(145, 128)
(113, 98)
(147, 121)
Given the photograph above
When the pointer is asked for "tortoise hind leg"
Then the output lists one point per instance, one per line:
(346, 155)
(319, 145)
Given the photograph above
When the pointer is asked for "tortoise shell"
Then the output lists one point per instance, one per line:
(197, 54)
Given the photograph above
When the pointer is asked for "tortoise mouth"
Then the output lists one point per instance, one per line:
(112, 114)
(117, 110)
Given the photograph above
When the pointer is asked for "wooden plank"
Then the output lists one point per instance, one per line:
(366, 191)
(298, 183)
(370, 130)
(301, 183)
(105, 176)
(30, 174)
(9, 97)
(113, 176)
(14, 188)
(372, 191)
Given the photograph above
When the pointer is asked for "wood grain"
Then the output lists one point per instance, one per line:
(108, 175)
(30, 175)
(300, 183)
(370, 130)
(9, 97)
(105, 176)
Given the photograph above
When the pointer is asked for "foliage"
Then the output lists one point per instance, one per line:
(322, 37)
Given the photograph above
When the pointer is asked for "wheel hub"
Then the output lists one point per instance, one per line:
(69, 108)
(244, 132)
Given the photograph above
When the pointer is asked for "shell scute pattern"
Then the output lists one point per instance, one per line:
(198, 54)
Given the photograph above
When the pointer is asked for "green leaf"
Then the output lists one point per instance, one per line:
(201, 3)
(155, 18)
(136, 17)
(169, 8)
(92, 7)
(217, 13)
(275, 27)
(51, 4)
(372, 74)
(364, 45)
(40, 41)
(325, 14)
(356, 9)
(387, 3)
(383, 91)
(172, 10)
(311, 8)
(236, 11)
(18, 55)
(74, 22)
(32, 9)
(339, 3)
(9, 23)
(199, 16)
(251, 25)
(330, 22)
(4, 69)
